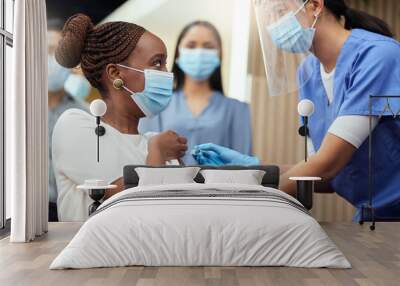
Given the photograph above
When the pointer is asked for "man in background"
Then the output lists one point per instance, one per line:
(66, 89)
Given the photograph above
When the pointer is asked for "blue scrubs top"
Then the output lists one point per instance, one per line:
(368, 64)
(225, 121)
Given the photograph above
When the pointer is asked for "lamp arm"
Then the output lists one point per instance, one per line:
(305, 138)
(98, 138)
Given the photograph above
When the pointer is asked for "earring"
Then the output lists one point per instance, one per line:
(118, 83)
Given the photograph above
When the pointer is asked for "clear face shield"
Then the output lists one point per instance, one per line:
(286, 37)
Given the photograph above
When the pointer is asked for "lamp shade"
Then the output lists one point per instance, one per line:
(98, 107)
(305, 108)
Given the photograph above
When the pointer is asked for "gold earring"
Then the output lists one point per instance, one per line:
(118, 83)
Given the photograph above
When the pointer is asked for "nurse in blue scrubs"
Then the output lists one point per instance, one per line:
(199, 109)
(353, 55)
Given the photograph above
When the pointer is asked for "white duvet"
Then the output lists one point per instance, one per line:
(202, 231)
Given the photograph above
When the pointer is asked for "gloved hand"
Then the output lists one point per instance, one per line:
(209, 158)
(212, 153)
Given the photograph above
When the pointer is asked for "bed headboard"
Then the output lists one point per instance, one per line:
(270, 179)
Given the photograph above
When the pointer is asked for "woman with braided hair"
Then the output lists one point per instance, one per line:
(127, 64)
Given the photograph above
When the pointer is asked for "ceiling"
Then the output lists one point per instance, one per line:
(58, 11)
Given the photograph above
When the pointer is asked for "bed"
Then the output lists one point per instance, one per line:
(198, 224)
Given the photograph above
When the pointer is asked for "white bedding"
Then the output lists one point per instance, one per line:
(202, 231)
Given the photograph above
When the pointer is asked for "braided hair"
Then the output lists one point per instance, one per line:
(94, 47)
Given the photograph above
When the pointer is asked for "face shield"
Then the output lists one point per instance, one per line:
(286, 37)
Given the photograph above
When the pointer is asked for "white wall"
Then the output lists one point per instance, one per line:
(239, 80)
(166, 18)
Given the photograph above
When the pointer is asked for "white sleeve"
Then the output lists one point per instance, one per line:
(73, 161)
(354, 129)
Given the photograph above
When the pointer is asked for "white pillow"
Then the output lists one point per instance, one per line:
(166, 176)
(247, 177)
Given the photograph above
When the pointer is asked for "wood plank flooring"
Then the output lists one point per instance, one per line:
(375, 257)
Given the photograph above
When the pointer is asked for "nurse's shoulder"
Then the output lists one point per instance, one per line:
(371, 37)
(376, 47)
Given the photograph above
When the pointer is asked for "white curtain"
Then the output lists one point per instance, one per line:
(26, 123)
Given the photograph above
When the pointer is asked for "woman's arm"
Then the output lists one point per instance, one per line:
(332, 157)
(120, 187)
(284, 168)
(155, 156)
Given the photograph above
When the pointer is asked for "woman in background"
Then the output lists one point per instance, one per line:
(199, 109)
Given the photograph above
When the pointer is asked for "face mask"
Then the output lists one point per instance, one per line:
(289, 35)
(77, 86)
(157, 93)
(57, 74)
(199, 64)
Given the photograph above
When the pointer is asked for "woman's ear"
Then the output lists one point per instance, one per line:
(314, 8)
(113, 72)
(317, 6)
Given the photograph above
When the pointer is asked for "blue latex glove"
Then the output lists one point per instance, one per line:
(223, 155)
(209, 158)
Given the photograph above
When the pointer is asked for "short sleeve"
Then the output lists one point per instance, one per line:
(376, 71)
(353, 129)
(241, 131)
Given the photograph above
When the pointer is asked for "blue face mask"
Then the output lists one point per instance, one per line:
(199, 64)
(57, 74)
(289, 35)
(157, 93)
(77, 86)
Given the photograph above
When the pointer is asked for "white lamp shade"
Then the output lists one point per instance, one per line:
(98, 107)
(305, 107)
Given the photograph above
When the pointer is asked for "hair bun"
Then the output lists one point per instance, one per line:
(74, 34)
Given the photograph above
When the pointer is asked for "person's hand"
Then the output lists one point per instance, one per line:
(169, 145)
(207, 158)
(212, 153)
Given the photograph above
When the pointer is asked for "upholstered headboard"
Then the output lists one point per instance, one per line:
(270, 179)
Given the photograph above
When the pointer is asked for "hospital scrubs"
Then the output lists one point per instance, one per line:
(368, 64)
(225, 121)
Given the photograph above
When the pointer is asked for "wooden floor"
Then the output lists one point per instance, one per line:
(375, 257)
